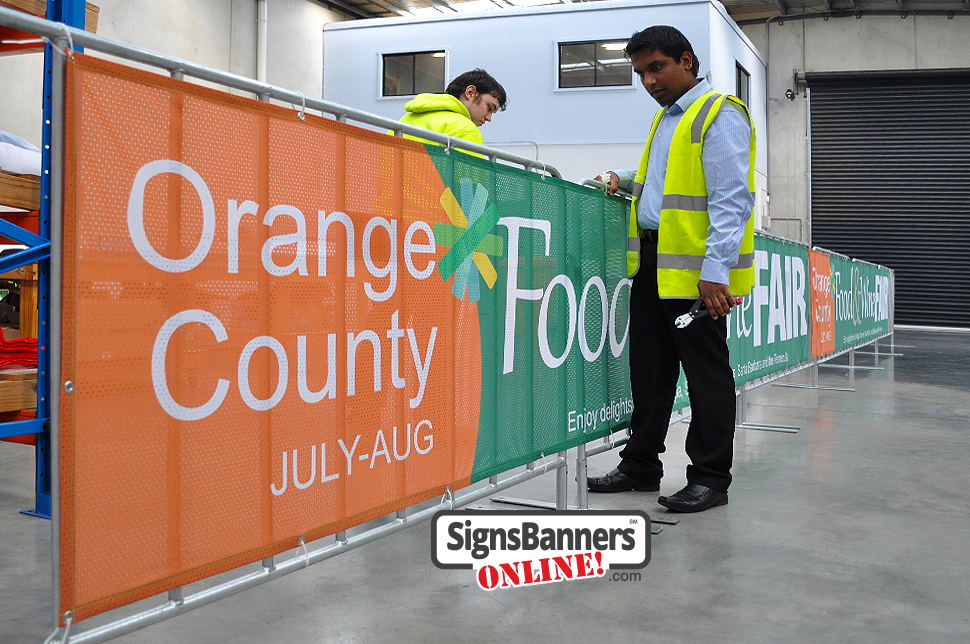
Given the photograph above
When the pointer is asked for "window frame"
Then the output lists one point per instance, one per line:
(381, 57)
(557, 71)
(739, 73)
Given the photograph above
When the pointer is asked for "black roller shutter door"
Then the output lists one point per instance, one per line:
(890, 159)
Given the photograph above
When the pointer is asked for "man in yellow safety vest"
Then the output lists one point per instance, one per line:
(691, 236)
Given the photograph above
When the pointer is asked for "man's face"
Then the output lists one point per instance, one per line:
(665, 78)
(480, 106)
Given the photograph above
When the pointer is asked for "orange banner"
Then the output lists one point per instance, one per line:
(823, 304)
(255, 349)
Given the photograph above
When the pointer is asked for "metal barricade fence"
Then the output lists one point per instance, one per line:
(64, 39)
(609, 443)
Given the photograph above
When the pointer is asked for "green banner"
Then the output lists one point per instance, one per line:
(554, 324)
(771, 329)
(862, 296)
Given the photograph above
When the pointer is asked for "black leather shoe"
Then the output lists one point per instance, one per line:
(694, 498)
(617, 481)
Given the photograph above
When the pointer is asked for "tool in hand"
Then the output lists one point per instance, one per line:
(699, 310)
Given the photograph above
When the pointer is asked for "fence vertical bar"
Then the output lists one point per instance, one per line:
(562, 483)
(49, 319)
(741, 415)
(582, 491)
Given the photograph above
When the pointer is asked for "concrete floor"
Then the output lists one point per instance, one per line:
(855, 529)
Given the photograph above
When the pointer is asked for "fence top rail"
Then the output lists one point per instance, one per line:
(851, 259)
(599, 185)
(782, 238)
(65, 35)
(868, 263)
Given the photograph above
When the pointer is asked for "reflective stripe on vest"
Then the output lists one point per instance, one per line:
(696, 262)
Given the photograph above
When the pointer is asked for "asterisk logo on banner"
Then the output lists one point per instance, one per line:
(469, 239)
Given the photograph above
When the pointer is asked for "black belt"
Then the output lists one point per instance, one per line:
(649, 235)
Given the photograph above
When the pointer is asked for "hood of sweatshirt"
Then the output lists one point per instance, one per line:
(436, 103)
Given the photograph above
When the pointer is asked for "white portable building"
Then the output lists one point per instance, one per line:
(556, 112)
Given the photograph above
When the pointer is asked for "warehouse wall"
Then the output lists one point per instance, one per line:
(215, 33)
(836, 44)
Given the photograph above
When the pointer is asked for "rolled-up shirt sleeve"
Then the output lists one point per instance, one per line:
(729, 201)
(625, 178)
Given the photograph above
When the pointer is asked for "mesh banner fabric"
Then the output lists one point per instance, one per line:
(277, 329)
(805, 304)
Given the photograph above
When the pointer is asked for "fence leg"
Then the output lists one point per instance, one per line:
(562, 483)
(742, 414)
(814, 384)
(582, 492)
(562, 490)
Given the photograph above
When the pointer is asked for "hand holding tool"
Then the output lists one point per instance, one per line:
(699, 310)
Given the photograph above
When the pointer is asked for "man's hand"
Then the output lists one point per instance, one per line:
(611, 180)
(717, 298)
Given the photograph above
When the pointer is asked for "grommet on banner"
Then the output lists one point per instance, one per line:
(68, 618)
(306, 553)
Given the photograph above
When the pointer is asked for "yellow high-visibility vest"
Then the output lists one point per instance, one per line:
(684, 220)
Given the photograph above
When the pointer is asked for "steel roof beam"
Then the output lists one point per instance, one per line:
(351, 10)
(392, 7)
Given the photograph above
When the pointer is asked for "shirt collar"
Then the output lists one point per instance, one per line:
(690, 96)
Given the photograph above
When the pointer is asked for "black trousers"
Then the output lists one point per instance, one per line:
(657, 349)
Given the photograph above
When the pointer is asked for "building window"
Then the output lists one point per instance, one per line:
(414, 73)
(743, 90)
(598, 63)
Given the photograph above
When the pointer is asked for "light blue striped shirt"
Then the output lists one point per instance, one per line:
(726, 161)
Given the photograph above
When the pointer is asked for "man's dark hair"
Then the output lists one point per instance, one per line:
(482, 81)
(667, 40)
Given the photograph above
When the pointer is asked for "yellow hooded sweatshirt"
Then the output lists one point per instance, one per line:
(441, 113)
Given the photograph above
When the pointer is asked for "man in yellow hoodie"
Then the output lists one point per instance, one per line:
(468, 103)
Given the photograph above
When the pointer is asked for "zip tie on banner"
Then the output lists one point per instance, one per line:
(546, 462)
(612, 444)
(70, 41)
(448, 495)
(302, 113)
(306, 553)
(448, 146)
(68, 618)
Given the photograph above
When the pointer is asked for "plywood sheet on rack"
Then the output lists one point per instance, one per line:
(20, 191)
(37, 8)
